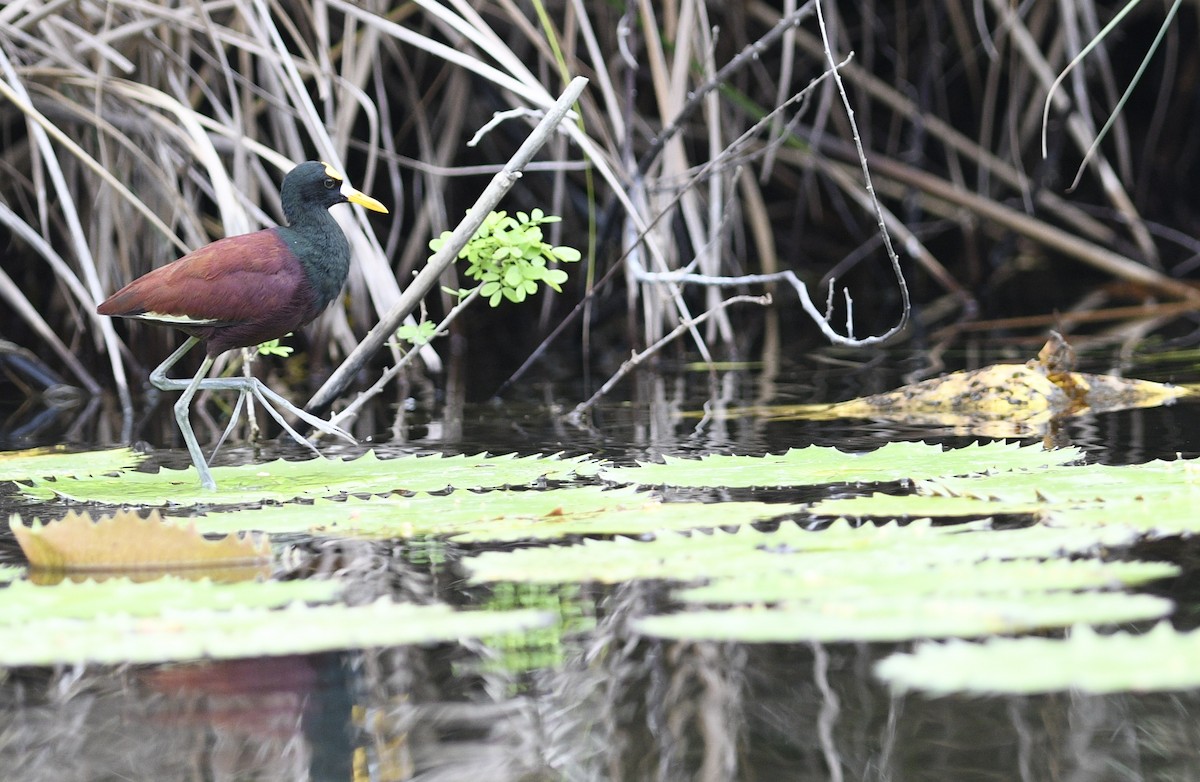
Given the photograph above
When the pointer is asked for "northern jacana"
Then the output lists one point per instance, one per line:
(245, 290)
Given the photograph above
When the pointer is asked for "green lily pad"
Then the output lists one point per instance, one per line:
(1155, 499)
(899, 617)
(1156, 516)
(493, 516)
(817, 465)
(918, 506)
(321, 477)
(43, 462)
(868, 583)
(748, 551)
(832, 577)
(1161, 659)
(23, 603)
(191, 634)
(1082, 483)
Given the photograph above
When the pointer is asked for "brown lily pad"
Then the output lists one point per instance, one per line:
(1000, 400)
(125, 541)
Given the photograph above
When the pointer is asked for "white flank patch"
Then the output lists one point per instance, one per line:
(165, 317)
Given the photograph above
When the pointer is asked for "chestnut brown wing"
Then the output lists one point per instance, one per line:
(237, 280)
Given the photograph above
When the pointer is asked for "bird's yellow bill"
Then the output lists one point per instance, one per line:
(362, 199)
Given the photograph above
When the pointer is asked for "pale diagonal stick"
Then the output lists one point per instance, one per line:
(427, 278)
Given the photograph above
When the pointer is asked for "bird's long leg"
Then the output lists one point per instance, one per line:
(244, 386)
(159, 379)
(263, 390)
(183, 409)
(264, 394)
(283, 422)
(233, 417)
(183, 405)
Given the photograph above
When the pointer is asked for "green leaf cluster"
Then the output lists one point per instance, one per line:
(509, 257)
(418, 334)
(274, 348)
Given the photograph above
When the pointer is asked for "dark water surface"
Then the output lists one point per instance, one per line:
(604, 705)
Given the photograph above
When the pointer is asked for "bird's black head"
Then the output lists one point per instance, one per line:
(314, 185)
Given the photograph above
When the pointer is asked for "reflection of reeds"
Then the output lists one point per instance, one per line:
(134, 131)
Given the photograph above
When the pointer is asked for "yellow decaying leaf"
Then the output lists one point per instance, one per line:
(1001, 400)
(1046, 386)
(125, 541)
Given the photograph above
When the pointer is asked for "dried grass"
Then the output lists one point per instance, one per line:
(136, 130)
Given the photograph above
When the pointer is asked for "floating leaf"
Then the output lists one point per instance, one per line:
(748, 552)
(833, 577)
(857, 583)
(494, 515)
(898, 617)
(180, 635)
(1161, 659)
(1000, 400)
(816, 465)
(916, 506)
(23, 603)
(1083, 483)
(43, 462)
(1007, 392)
(1157, 498)
(321, 477)
(125, 541)
(1156, 516)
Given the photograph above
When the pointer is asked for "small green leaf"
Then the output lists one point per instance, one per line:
(273, 348)
(418, 334)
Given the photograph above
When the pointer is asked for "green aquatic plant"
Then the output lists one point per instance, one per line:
(509, 257)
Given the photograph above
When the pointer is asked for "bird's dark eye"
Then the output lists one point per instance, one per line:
(330, 183)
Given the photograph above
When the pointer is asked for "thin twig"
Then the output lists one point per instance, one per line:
(866, 171)
(351, 410)
(576, 415)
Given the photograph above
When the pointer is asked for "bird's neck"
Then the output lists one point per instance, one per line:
(319, 244)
